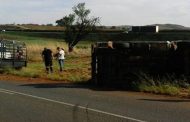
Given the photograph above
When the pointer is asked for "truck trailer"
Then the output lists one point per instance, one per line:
(13, 54)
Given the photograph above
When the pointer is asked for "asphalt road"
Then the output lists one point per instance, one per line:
(20, 102)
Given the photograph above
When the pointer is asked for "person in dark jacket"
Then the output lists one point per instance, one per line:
(47, 57)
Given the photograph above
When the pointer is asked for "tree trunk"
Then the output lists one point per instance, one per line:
(70, 49)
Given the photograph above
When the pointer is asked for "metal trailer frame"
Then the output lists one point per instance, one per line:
(13, 54)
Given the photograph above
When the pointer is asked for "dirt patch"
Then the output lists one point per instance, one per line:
(13, 78)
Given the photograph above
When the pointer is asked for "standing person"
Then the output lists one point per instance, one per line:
(47, 57)
(61, 57)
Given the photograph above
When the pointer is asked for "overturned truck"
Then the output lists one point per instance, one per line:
(116, 62)
(13, 54)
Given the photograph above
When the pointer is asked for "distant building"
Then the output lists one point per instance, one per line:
(145, 29)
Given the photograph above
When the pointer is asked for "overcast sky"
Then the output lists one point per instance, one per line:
(111, 12)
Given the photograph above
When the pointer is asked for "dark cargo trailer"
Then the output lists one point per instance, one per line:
(117, 63)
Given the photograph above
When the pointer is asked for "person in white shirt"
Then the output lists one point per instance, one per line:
(61, 57)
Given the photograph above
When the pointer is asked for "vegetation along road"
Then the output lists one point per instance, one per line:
(21, 102)
(58, 97)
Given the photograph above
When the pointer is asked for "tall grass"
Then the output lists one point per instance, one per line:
(168, 84)
(75, 70)
(35, 46)
(189, 92)
(77, 63)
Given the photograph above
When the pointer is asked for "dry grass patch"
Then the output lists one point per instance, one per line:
(76, 69)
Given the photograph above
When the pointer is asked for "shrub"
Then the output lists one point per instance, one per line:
(169, 84)
(163, 89)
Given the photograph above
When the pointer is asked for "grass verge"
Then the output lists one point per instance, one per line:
(162, 89)
(75, 70)
(77, 63)
(168, 84)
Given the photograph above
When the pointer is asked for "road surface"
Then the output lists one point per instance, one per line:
(20, 102)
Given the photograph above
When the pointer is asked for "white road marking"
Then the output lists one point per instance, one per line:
(7, 92)
(72, 105)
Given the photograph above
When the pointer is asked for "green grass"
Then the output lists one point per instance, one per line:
(168, 84)
(28, 39)
(162, 89)
(73, 71)
(47, 35)
(77, 63)
(22, 36)
(35, 45)
(33, 70)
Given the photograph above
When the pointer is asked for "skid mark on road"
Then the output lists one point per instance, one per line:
(72, 105)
